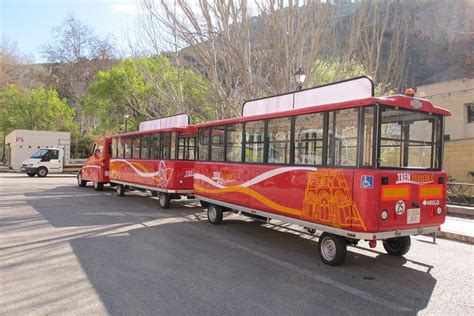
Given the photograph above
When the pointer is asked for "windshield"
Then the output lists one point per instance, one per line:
(409, 139)
(40, 153)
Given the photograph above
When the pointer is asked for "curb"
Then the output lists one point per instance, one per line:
(455, 237)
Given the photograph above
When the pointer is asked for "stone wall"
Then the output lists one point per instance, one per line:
(459, 159)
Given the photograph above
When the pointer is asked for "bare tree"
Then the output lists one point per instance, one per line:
(76, 55)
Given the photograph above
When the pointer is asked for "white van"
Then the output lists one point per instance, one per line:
(50, 160)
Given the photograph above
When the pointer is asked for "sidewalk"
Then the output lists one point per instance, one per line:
(458, 229)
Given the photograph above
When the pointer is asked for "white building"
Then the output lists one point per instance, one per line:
(21, 144)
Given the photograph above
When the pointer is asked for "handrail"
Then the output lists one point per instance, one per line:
(460, 193)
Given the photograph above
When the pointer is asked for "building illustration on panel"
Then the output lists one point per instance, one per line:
(328, 200)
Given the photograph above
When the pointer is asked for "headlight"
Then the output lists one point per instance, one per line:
(384, 215)
(29, 165)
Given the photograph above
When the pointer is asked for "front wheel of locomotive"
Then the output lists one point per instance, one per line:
(120, 189)
(398, 246)
(332, 249)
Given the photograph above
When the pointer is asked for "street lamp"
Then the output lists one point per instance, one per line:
(300, 77)
(126, 116)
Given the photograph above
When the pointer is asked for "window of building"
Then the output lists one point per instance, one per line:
(279, 135)
(309, 133)
(217, 143)
(254, 141)
(470, 112)
(203, 143)
(145, 147)
(234, 142)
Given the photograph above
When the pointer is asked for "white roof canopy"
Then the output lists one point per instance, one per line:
(179, 120)
(352, 89)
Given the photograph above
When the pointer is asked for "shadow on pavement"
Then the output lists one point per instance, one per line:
(144, 260)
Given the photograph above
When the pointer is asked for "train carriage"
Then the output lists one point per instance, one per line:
(96, 167)
(160, 161)
(337, 159)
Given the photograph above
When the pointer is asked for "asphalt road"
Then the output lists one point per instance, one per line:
(71, 250)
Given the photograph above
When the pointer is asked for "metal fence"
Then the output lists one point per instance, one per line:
(460, 193)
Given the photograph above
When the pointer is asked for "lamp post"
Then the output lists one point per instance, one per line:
(126, 116)
(300, 77)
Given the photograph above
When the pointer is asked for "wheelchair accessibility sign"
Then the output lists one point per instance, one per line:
(367, 182)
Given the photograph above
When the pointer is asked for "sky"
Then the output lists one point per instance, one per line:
(29, 22)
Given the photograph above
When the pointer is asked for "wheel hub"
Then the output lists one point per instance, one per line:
(212, 213)
(328, 249)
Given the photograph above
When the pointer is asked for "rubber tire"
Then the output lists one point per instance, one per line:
(42, 172)
(397, 246)
(80, 182)
(154, 193)
(214, 214)
(120, 190)
(204, 203)
(164, 200)
(98, 186)
(30, 174)
(339, 245)
(112, 185)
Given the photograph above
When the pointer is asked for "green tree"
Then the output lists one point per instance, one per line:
(36, 109)
(145, 88)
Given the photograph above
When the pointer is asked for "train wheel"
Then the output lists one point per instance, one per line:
(42, 172)
(332, 249)
(398, 246)
(120, 189)
(98, 186)
(80, 182)
(164, 199)
(214, 214)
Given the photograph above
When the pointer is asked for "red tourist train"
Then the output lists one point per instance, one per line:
(364, 168)
(159, 160)
(332, 158)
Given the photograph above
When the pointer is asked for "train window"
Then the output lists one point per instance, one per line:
(186, 148)
(145, 147)
(309, 139)
(120, 147)
(368, 136)
(254, 141)
(114, 148)
(343, 135)
(166, 145)
(155, 146)
(173, 146)
(217, 143)
(136, 147)
(127, 142)
(203, 143)
(278, 135)
(234, 142)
